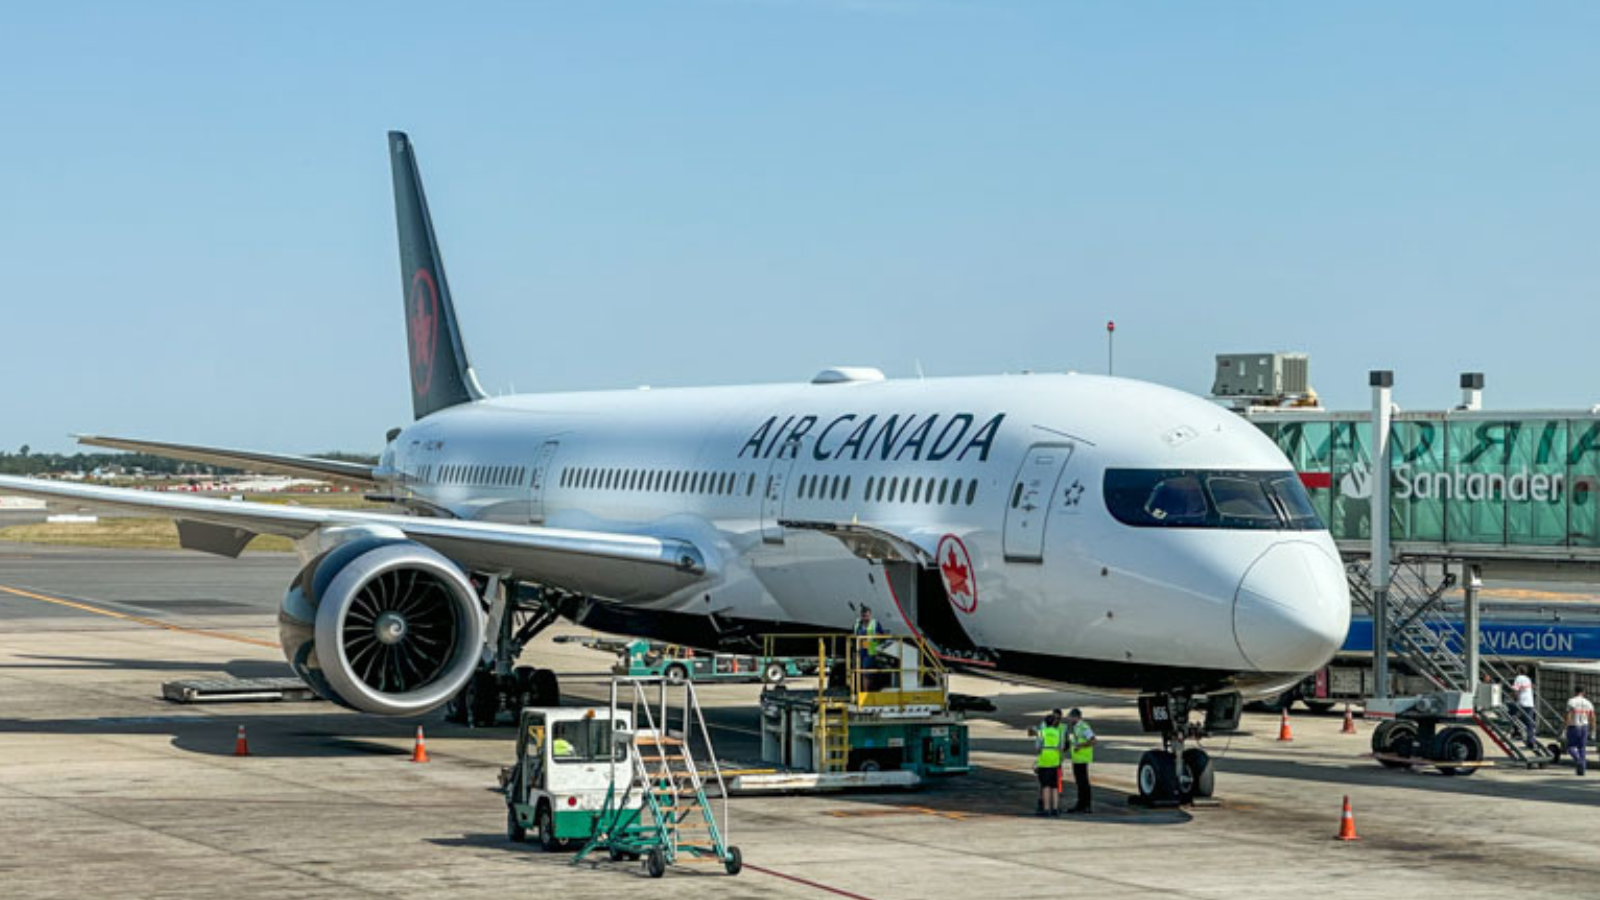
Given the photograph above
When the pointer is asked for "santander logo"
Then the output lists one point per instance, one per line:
(1357, 483)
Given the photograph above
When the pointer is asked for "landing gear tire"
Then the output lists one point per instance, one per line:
(773, 674)
(735, 861)
(548, 842)
(525, 693)
(546, 688)
(1158, 778)
(1202, 776)
(514, 830)
(481, 699)
(655, 862)
(1457, 744)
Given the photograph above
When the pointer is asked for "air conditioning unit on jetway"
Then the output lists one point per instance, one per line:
(1263, 376)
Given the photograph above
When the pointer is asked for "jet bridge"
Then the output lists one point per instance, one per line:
(1421, 501)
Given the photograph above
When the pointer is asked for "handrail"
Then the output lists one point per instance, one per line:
(716, 767)
(861, 680)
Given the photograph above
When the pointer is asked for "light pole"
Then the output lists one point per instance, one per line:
(1111, 333)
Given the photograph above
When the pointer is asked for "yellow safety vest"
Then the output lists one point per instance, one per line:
(1082, 750)
(1049, 747)
(868, 629)
(562, 748)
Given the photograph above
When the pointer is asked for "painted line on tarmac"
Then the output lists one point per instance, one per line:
(841, 892)
(138, 620)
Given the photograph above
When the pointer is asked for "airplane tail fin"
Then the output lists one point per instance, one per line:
(441, 377)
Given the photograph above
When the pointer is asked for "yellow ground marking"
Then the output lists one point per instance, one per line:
(138, 620)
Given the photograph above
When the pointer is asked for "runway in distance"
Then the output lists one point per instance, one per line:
(1060, 529)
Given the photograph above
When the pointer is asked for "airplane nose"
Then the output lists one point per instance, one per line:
(1292, 609)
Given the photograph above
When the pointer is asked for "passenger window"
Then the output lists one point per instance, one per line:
(944, 488)
(750, 485)
(905, 489)
(972, 490)
(845, 492)
(1016, 495)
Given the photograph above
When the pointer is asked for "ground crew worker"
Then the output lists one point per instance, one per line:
(1580, 720)
(866, 649)
(562, 748)
(1047, 743)
(1527, 707)
(1080, 745)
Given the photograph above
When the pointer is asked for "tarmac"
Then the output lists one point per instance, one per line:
(108, 790)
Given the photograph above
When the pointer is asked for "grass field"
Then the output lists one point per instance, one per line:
(150, 533)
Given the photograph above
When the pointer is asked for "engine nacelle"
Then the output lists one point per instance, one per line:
(382, 626)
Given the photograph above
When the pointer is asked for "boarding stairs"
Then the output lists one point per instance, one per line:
(1433, 644)
(676, 820)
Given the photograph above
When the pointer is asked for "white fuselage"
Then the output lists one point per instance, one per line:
(1009, 469)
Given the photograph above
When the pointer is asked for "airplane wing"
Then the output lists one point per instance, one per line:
(278, 464)
(621, 567)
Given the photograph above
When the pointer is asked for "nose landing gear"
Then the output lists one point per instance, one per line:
(1179, 774)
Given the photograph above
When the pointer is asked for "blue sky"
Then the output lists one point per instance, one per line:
(199, 239)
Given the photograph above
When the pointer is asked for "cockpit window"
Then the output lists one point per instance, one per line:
(1178, 500)
(1241, 498)
(1168, 498)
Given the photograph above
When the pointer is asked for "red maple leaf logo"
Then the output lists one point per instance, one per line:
(956, 575)
(424, 329)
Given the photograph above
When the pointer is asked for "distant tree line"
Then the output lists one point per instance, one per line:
(26, 462)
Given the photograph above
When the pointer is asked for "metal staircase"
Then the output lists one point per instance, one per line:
(1433, 645)
(674, 821)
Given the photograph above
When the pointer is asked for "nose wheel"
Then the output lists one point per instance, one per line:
(1179, 773)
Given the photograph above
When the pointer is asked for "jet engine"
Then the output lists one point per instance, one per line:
(382, 626)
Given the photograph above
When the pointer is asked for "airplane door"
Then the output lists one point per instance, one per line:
(536, 482)
(1028, 507)
(778, 476)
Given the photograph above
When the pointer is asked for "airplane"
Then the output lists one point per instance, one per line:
(1065, 530)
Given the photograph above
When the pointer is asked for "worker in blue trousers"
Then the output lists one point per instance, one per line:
(1580, 720)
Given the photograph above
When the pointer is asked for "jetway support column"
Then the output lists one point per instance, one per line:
(1382, 383)
(1471, 581)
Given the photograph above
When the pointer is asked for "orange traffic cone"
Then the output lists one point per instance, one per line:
(1349, 722)
(1283, 728)
(420, 752)
(241, 747)
(1347, 823)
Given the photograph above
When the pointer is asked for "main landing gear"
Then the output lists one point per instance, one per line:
(1179, 774)
(500, 688)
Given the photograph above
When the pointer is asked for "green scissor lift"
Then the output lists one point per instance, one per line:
(675, 822)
